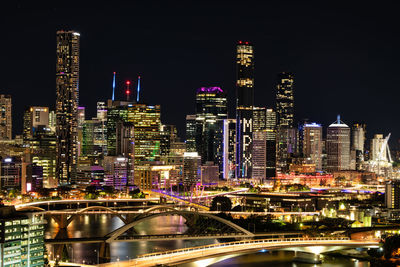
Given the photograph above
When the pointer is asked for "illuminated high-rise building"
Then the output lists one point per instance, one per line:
(285, 100)
(93, 138)
(191, 168)
(271, 143)
(259, 153)
(52, 121)
(287, 134)
(191, 133)
(358, 142)
(259, 119)
(43, 153)
(244, 107)
(229, 149)
(67, 84)
(146, 122)
(169, 135)
(115, 114)
(34, 117)
(81, 116)
(286, 147)
(312, 144)
(211, 110)
(338, 146)
(5, 117)
(101, 111)
(21, 238)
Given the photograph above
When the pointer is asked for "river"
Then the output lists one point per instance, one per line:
(100, 225)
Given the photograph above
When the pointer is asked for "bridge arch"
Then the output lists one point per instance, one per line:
(82, 211)
(159, 207)
(118, 232)
(28, 208)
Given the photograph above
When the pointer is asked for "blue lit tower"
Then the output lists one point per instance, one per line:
(244, 108)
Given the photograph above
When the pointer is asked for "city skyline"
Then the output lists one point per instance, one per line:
(334, 75)
(125, 125)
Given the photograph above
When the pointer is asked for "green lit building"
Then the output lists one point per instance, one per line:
(21, 238)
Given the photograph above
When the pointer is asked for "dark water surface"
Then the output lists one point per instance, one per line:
(101, 225)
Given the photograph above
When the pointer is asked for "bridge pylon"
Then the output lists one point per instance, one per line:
(104, 253)
(61, 220)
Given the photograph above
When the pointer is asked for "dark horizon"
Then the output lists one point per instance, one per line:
(343, 57)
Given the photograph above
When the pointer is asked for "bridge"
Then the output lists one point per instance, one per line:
(315, 245)
(65, 217)
(200, 226)
(49, 203)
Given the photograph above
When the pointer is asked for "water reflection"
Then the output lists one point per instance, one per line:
(273, 258)
(101, 225)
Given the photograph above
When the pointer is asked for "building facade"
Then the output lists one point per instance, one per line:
(271, 143)
(67, 84)
(338, 146)
(211, 110)
(229, 149)
(33, 118)
(191, 133)
(5, 117)
(244, 108)
(21, 238)
(312, 144)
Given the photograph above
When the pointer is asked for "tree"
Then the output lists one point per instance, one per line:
(391, 246)
(221, 203)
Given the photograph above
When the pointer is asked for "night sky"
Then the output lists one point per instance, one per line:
(344, 56)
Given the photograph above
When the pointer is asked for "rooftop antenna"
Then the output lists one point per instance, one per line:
(113, 85)
(338, 119)
(138, 90)
(128, 91)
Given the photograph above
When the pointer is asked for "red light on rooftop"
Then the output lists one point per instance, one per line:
(247, 42)
(114, 72)
(128, 82)
(240, 42)
(127, 92)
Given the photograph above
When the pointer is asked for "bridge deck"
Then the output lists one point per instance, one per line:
(182, 255)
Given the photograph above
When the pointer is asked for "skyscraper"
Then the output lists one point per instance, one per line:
(287, 135)
(358, 142)
(168, 136)
(229, 149)
(259, 153)
(285, 100)
(338, 146)
(312, 144)
(211, 110)
(67, 84)
(271, 143)
(244, 107)
(5, 117)
(191, 133)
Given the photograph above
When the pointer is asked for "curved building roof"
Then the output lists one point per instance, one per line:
(210, 90)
